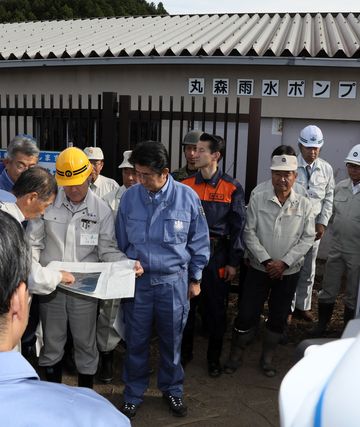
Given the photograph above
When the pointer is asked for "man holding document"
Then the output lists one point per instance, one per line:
(78, 227)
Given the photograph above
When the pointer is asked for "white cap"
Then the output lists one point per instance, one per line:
(311, 136)
(5, 196)
(94, 153)
(354, 155)
(284, 163)
(125, 163)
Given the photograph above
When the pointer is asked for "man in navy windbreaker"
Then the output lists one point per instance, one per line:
(161, 223)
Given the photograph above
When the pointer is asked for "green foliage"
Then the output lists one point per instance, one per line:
(31, 10)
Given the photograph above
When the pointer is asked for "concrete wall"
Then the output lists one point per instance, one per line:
(283, 117)
(169, 80)
(339, 137)
(338, 118)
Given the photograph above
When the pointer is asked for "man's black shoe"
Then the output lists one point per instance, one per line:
(176, 405)
(129, 409)
(214, 369)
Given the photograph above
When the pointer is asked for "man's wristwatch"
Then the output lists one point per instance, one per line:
(196, 281)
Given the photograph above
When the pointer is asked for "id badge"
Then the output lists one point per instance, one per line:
(89, 239)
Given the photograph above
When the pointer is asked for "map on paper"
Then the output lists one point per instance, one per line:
(102, 280)
(85, 282)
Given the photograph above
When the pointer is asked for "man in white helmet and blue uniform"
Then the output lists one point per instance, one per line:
(316, 176)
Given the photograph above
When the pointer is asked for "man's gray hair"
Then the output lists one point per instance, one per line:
(24, 144)
(38, 180)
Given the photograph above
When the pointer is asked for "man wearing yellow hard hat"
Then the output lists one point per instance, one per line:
(78, 227)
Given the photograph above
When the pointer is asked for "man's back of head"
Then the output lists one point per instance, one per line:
(24, 400)
(35, 190)
(14, 271)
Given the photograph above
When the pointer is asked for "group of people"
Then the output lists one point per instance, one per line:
(188, 232)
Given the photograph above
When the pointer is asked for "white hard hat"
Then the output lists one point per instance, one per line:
(354, 155)
(125, 163)
(284, 163)
(94, 153)
(311, 136)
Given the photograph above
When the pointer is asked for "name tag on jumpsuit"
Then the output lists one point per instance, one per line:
(87, 239)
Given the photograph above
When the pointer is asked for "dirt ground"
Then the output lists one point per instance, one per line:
(246, 398)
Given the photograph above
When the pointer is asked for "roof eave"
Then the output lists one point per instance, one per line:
(185, 60)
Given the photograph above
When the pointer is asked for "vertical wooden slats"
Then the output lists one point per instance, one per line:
(114, 126)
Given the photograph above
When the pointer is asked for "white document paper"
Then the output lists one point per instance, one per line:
(102, 280)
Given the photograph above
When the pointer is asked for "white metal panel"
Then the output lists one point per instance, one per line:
(254, 27)
(329, 35)
(351, 40)
(236, 30)
(278, 41)
(262, 42)
(320, 35)
(307, 33)
(199, 36)
(292, 42)
(335, 40)
(223, 28)
(177, 28)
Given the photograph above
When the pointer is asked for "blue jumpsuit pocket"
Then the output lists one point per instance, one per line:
(136, 230)
(176, 227)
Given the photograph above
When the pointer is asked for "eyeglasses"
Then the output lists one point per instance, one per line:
(145, 175)
(22, 167)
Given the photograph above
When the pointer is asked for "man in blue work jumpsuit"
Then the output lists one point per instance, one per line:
(161, 223)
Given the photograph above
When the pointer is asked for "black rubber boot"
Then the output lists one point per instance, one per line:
(239, 341)
(325, 312)
(85, 380)
(105, 374)
(213, 356)
(270, 342)
(349, 314)
(53, 373)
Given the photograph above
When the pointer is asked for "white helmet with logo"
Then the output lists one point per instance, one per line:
(354, 155)
(311, 136)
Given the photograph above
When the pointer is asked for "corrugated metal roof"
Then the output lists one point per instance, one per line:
(321, 35)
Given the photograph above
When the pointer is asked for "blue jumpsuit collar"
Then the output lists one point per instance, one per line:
(6, 183)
